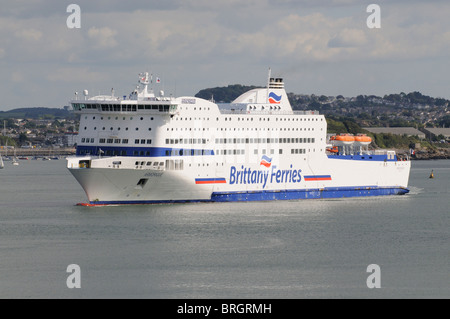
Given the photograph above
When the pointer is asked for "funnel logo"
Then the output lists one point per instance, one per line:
(266, 161)
(274, 99)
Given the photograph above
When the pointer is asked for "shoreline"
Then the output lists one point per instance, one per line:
(424, 155)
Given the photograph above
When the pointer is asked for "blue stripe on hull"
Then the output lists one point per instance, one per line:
(331, 192)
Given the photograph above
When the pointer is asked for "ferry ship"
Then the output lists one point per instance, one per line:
(150, 148)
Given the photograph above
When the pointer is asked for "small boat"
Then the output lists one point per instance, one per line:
(333, 149)
(2, 164)
(432, 174)
(15, 162)
(362, 139)
(343, 139)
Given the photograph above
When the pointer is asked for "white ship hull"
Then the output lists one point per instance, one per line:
(330, 178)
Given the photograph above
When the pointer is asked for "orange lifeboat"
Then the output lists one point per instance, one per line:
(333, 149)
(363, 139)
(343, 139)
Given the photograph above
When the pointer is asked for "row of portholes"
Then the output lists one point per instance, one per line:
(111, 128)
(117, 118)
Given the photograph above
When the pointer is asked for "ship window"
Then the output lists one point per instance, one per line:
(142, 141)
(109, 140)
(102, 140)
(125, 141)
(149, 141)
(136, 141)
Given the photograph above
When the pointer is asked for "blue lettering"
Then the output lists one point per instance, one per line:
(254, 177)
(299, 176)
(273, 173)
(266, 177)
(294, 175)
(248, 176)
(278, 177)
(232, 177)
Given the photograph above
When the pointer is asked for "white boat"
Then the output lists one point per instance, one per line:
(15, 162)
(146, 148)
(2, 164)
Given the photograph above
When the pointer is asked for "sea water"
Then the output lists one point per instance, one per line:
(282, 249)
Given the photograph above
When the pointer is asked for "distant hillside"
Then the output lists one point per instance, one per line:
(224, 94)
(36, 113)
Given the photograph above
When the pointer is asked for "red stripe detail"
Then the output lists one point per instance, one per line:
(318, 179)
(90, 205)
(272, 101)
(265, 164)
(220, 181)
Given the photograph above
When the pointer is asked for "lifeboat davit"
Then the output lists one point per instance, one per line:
(343, 139)
(362, 139)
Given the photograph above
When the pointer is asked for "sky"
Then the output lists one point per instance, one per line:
(317, 46)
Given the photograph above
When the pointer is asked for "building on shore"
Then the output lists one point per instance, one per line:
(435, 132)
(408, 131)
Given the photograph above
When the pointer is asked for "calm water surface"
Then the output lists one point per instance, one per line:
(284, 249)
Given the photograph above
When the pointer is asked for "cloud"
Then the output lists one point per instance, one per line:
(17, 77)
(348, 38)
(103, 38)
(74, 74)
(198, 43)
(29, 34)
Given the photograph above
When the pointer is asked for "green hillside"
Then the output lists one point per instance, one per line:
(224, 94)
(36, 113)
